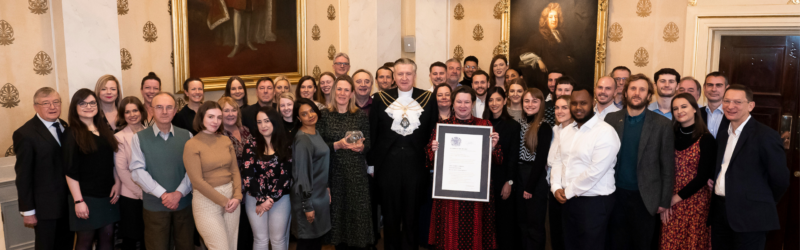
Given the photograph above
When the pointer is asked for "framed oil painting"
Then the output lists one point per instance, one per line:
(566, 35)
(216, 39)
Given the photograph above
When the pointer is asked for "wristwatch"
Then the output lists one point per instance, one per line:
(511, 183)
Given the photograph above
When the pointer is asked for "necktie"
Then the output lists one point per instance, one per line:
(59, 134)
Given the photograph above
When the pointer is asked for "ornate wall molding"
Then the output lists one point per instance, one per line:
(125, 59)
(641, 57)
(644, 8)
(499, 8)
(122, 7)
(615, 32)
(600, 52)
(477, 33)
(458, 53)
(6, 33)
(331, 12)
(458, 13)
(316, 72)
(671, 32)
(9, 96)
(10, 151)
(692, 2)
(42, 64)
(331, 52)
(149, 31)
(315, 33)
(38, 6)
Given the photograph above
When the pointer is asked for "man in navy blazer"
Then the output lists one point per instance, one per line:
(41, 183)
(751, 176)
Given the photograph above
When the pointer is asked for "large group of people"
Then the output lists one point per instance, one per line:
(608, 167)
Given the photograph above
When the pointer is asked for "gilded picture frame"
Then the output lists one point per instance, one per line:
(181, 43)
(600, 43)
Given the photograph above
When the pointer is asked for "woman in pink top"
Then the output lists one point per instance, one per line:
(131, 225)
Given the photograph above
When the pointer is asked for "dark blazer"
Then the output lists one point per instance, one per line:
(756, 178)
(722, 124)
(656, 169)
(381, 127)
(249, 116)
(41, 183)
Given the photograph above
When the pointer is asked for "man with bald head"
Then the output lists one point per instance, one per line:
(604, 94)
(41, 186)
(157, 166)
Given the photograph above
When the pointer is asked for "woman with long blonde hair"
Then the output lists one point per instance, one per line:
(108, 94)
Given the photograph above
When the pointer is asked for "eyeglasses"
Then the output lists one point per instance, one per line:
(620, 79)
(87, 104)
(341, 64)
(48, 104)
(470, 67)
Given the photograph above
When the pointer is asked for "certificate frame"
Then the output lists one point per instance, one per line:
(485, 173)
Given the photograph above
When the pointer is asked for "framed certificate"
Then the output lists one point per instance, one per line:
(462, 162)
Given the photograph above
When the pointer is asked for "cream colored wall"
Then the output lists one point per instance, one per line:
(461, 31)
(146, 56)
(32, 34)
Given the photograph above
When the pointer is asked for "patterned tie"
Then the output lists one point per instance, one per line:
(60, 134)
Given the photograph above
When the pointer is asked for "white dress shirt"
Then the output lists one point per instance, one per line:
(602, 114)
(143, 178)
(405, 107)
(714, 119)
(49, 126)
(584, 158)
(477, 110)
(733, 138)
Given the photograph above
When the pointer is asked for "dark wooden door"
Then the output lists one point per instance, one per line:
(770, 66)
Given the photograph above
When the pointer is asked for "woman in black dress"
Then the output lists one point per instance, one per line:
(236, 90)
(184, 119)
(89, 165)
(285, 108)
(503, 176)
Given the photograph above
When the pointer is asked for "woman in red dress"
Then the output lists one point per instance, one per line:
(463, 224)
(684, 224)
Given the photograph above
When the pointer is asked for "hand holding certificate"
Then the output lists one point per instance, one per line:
(462, 162)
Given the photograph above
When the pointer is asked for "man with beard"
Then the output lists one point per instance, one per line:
(438, 71)
(401, 121)
(645, 169)
(712, 114)
(480, 82)
(384, 77)
(604, 94)
(667, 84)
(583, 156)
(620, 75)
(552, 77)
(470, 66)
(453, 72)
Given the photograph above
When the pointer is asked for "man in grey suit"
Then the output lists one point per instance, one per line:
(645, 169)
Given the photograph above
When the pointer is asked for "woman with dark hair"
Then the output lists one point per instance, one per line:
(325, 87)
(89, 166)
(151, 85)
(463, 224)
(307, 88)
(443, 102)
(512, 74)
(515, 88)
(684, 223)
(310, 195)
(503, 176)
(266, 180)
(532, 171)
(497, 71)
(108, 90)
(212, 167)
(129, 122)
(351, 222)
(235, 89)
(193, 92)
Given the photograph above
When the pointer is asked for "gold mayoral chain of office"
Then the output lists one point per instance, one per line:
(414, 105)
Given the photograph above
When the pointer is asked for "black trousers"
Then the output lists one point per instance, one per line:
(131, 224)
(724, 238)
(245, 236)
(310, 244)
(555, 214)
(425, 210)
(631, 225)
(53, 234)
(401, 180)
(531, 212)
(585, 221)
(508, 232)
(374, 199)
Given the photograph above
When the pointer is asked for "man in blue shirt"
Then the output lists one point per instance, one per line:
(712, 114)
(666, 86)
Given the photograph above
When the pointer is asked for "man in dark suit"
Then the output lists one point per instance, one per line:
(751, 177)
(645, 170)
(265, 91)
(41, 186)
(712, 114)
(398, 154)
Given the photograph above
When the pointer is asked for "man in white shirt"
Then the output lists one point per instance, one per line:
(480, 82)
(582, 158)
(604, 94)
(751, 177)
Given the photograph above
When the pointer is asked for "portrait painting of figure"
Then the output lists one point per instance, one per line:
(555, 35)
(241, 37)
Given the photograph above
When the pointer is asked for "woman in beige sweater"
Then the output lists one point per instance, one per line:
(210, 161)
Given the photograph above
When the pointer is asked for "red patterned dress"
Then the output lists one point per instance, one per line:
(463, 224)
(687, 228)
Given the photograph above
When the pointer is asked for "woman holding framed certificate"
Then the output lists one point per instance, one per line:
(455, 224)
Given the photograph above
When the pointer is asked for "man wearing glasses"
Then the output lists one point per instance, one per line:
(620, 75)
(41, 186)
(157, 166)
(341, 64)
(470, 66)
